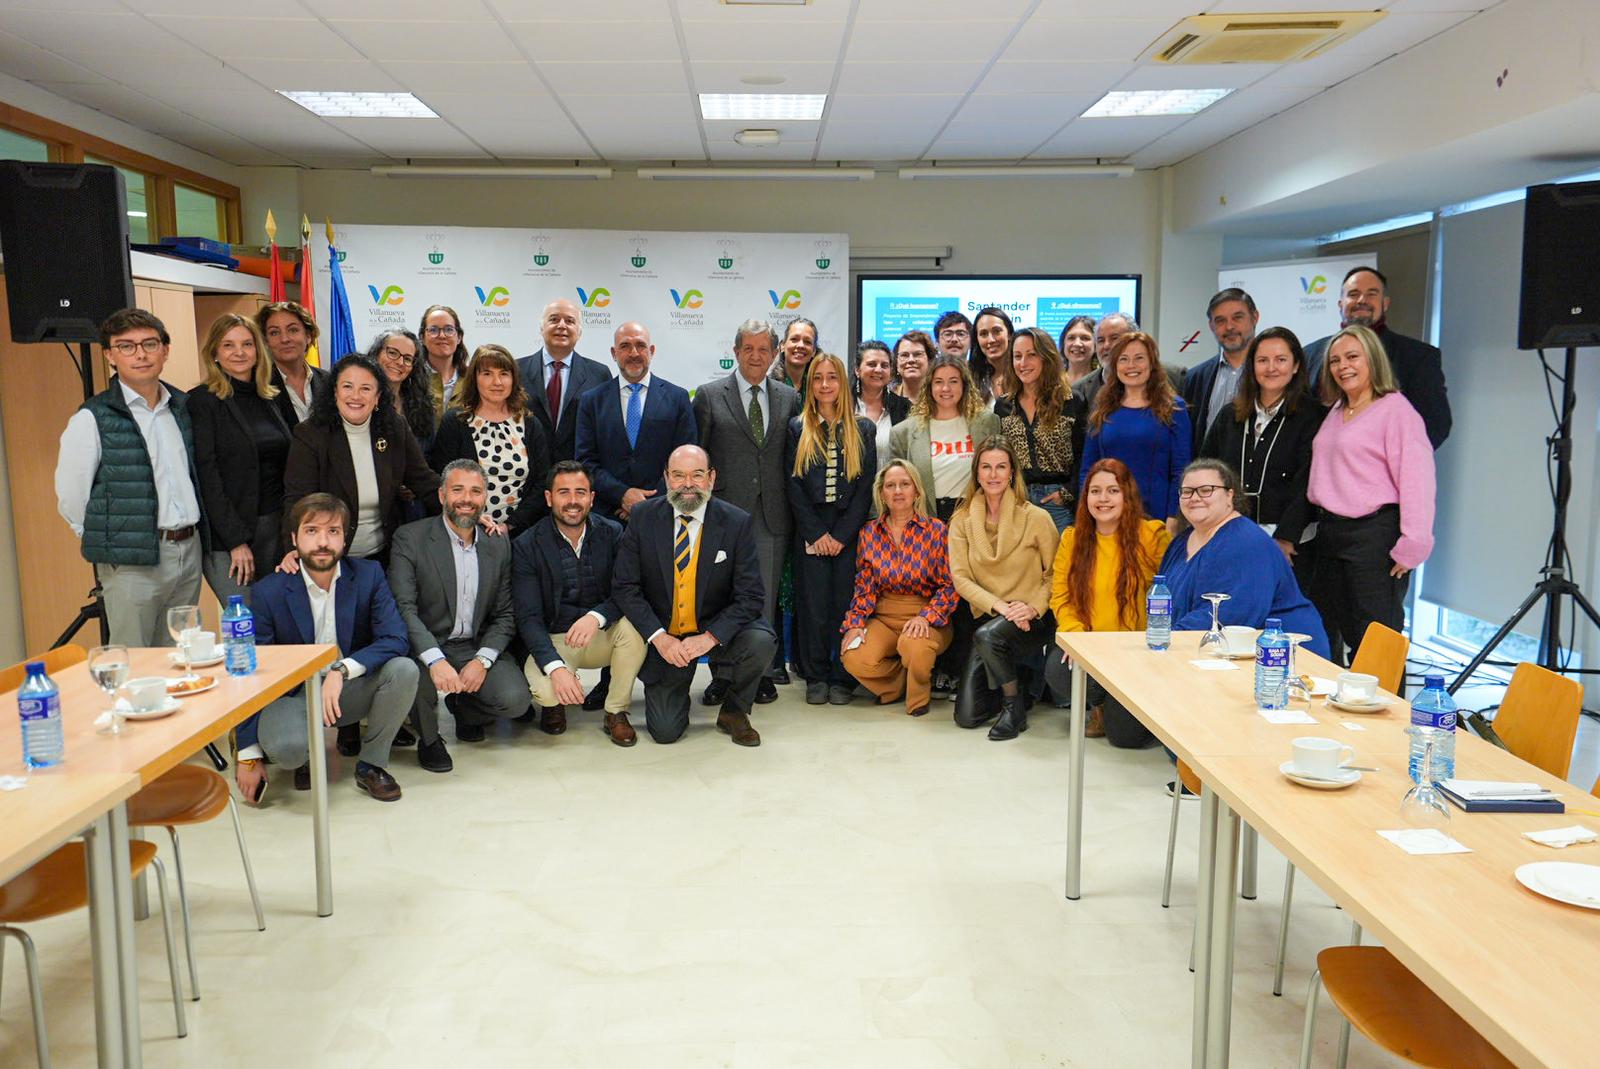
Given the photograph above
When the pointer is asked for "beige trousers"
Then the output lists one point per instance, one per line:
(617, 647)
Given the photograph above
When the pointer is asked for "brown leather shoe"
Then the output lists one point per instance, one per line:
(737, 726)
(621, 732)
(553, 719)
(376, 782)
(1095, 726)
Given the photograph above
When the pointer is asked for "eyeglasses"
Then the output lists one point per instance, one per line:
(128, 348)
(955, 332)
(1202, 492)
(391, 353)
(441, 332)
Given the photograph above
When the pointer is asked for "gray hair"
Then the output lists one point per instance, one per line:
(1125, 317)
(471, 466)
(754, 326)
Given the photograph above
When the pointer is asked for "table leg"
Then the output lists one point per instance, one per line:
(1247, 876)
(103, 943)
(127, 954)
(1202, 923)
(1224, 878)
(319, 795)
(1080, 713)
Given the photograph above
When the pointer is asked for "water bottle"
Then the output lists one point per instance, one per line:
(238, 637)
(39, 705)
(1272, 666)
(1158, 615)
(1433, 726)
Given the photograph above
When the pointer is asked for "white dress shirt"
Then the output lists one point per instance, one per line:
(177, 505)
(697, 522)
(325, 619)
(464, 554)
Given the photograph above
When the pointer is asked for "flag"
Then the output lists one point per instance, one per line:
(308, 287)
(341, 328)
(274, 269)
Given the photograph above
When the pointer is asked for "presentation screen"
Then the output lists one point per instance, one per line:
(887, 306)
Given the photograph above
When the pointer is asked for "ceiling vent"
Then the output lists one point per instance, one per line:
(1263, 38)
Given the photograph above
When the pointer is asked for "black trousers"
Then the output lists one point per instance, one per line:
(1123, 730)
(954, 658)
(1351, 586)
(1000, 644)
(822, 590)
(666, 687)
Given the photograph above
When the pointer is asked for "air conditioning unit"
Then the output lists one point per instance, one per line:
(1261, 38)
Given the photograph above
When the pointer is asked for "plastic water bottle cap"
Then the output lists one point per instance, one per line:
(35, 668)
(1159, 578)
(1431, 680)
(1274, 624)
(235, 599)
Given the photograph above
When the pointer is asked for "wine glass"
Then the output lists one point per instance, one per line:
(182, 622)
(1423, 805)
(1214, 643)
(109, 667)
(1297, 686)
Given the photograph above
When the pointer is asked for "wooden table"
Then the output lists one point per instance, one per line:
(1508, 960)
(55, 806)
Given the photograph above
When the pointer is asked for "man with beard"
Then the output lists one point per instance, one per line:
(557, 375)
(452, 583)
(689, 579)
(561, 570)
(1418, 366)
(345, 602)
(1209, 386)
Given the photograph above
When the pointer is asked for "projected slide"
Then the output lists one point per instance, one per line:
(887, 307)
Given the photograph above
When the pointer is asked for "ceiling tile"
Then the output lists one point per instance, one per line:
(902, 77)
(193, 71)
(613, 77)
(732, 151)
(70, 33)
(1053, 77)
(948, 148)
(1321, 72)
(717, 40)
(263, 38)
(409, 137)
(874, 140)
(1065, 40)
(639, 109)
(401, 42)
(589, 41)
(112, 6)
(727, 77)
(1055, 107)
(1106, 138)
(934, 41)
(945, 10)
(1403, 30)
(1171, 10)
(515, 126)
(21, 59)
(285, 9)
(891, 109)
(633, 145)
(553, 10)
(392, 10)
(774, 19)
(788, 131)
(357, 75)
(488, 79)
(1196, 76)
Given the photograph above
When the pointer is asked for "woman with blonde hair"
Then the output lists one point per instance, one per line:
(1139, 419)
(1002, 547)
(241, 444)
(492, 424)
(831, 457)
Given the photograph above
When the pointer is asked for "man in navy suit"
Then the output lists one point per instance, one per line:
(1209, 387)
(345, 602)
(628, 427)
(557, 375)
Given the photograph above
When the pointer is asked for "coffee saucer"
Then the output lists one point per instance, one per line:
(1341, 779)
(1358, 707)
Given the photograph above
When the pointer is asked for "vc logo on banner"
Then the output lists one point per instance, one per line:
(1314, 284)
(598, 297)
(496, 297)
(789, 300)
(688, 299)
(390, 295)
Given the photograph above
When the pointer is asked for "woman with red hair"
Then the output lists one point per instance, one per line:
(1100, 583)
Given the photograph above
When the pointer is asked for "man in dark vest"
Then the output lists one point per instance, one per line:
(125, 482)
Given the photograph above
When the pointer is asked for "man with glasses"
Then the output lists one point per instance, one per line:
(1109, 331)
(953, 332)
(125, 483)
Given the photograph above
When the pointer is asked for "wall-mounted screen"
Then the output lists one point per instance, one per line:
(887, 306)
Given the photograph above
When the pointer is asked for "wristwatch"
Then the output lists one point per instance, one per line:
(481, 659)
(342, 668)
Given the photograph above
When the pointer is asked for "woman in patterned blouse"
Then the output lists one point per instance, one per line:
(1044, 422)
(492, 424)
(898, 621)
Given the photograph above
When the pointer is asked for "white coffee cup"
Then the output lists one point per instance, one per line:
(1357, 688)
(201, 645)
(146, 693)
(1320, 757)
(1241, 639)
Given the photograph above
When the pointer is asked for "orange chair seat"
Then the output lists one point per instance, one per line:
(59, 884)
(1391, 1007)
(188, 794)
(1187, 775)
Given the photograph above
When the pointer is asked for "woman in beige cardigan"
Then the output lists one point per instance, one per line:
(1002, 549)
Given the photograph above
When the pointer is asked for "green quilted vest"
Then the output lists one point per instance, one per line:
(119, 523)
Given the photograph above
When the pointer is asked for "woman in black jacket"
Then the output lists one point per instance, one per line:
(874, 399)
(1266, 437)
(241, 444)
(492, 424)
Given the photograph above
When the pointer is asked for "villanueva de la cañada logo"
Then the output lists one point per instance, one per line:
(389, 295)
(595, 303)
(1314, 284)
(386, 307)
(496, 296)
(540, 258)
(435, 255)
(787, 301)
(686, 309)
(491, 310)
(638, 262)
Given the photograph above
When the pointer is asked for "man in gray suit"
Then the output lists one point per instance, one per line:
(743, 422)
(452, 583)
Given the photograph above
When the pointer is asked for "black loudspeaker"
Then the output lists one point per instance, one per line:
(64, 238)
(1560, 267)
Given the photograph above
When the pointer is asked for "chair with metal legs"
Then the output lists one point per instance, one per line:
(59, 884)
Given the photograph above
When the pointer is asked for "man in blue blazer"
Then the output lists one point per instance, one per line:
(345, 602)
(629, 426)
(557, 375)
(1210, 386)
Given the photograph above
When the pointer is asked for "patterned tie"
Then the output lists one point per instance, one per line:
(758, 426)
(552, 390)
(635, 411)
(681, 547)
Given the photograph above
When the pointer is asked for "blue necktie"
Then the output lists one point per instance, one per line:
(635, 411)
(682, 548)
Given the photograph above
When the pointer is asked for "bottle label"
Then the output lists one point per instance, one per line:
(34, 708)
(1273, 657)
(1442, 719)
(239, 628)
(1159, 607)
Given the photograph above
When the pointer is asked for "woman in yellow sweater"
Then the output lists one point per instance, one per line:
(1001, 549)
(1100, 584)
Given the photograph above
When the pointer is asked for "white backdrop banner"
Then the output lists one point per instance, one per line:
(691, 290)
(1302, 295)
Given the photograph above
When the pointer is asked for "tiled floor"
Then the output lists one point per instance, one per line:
(864, 890)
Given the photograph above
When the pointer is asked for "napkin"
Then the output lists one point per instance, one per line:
(1561, 838)
(1215, 666)
(13, 783)
(1286, 716)
(1424, 841)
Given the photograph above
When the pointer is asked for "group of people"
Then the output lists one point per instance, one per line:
(478, 526)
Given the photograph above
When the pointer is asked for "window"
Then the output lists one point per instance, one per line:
(141, 227)
(15, 146)
(200, 214)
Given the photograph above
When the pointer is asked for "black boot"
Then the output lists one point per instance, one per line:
(1013, 720)
(976, 703)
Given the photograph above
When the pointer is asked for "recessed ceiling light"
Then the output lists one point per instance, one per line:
(339, 105)
(771, 106)
(763, 79)
(757, 138)
(1140, 102)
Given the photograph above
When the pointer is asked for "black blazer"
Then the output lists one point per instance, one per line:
(319, 460)
(806, 491)
(318, 379)
(1276, 466)
(453, 441)
(1419, 368)
(536, 557)
(728, 591)
(898, 407)
(225, 460)
(583, 375)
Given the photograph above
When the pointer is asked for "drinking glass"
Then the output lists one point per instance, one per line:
(1214, 643)
(1297, 686)
(182, 621)
(109, 668)
(1423, 805)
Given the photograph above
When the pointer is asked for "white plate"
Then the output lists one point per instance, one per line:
(1352, 707)
(176, 660)
(1346, 777)
(196, 690)
(1564, 881)
(1322, 687)
(166, 708)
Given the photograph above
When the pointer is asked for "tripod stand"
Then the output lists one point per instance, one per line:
(1555, 585)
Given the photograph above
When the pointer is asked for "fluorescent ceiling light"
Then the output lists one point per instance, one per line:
(1079, 170)
(1142, 102)
(757, 174)
(467, 171)
(794, 107)
(340, 105)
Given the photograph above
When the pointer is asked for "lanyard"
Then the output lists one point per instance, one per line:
(1276, 424)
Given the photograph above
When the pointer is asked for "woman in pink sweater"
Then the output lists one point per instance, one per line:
(1372, 475)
